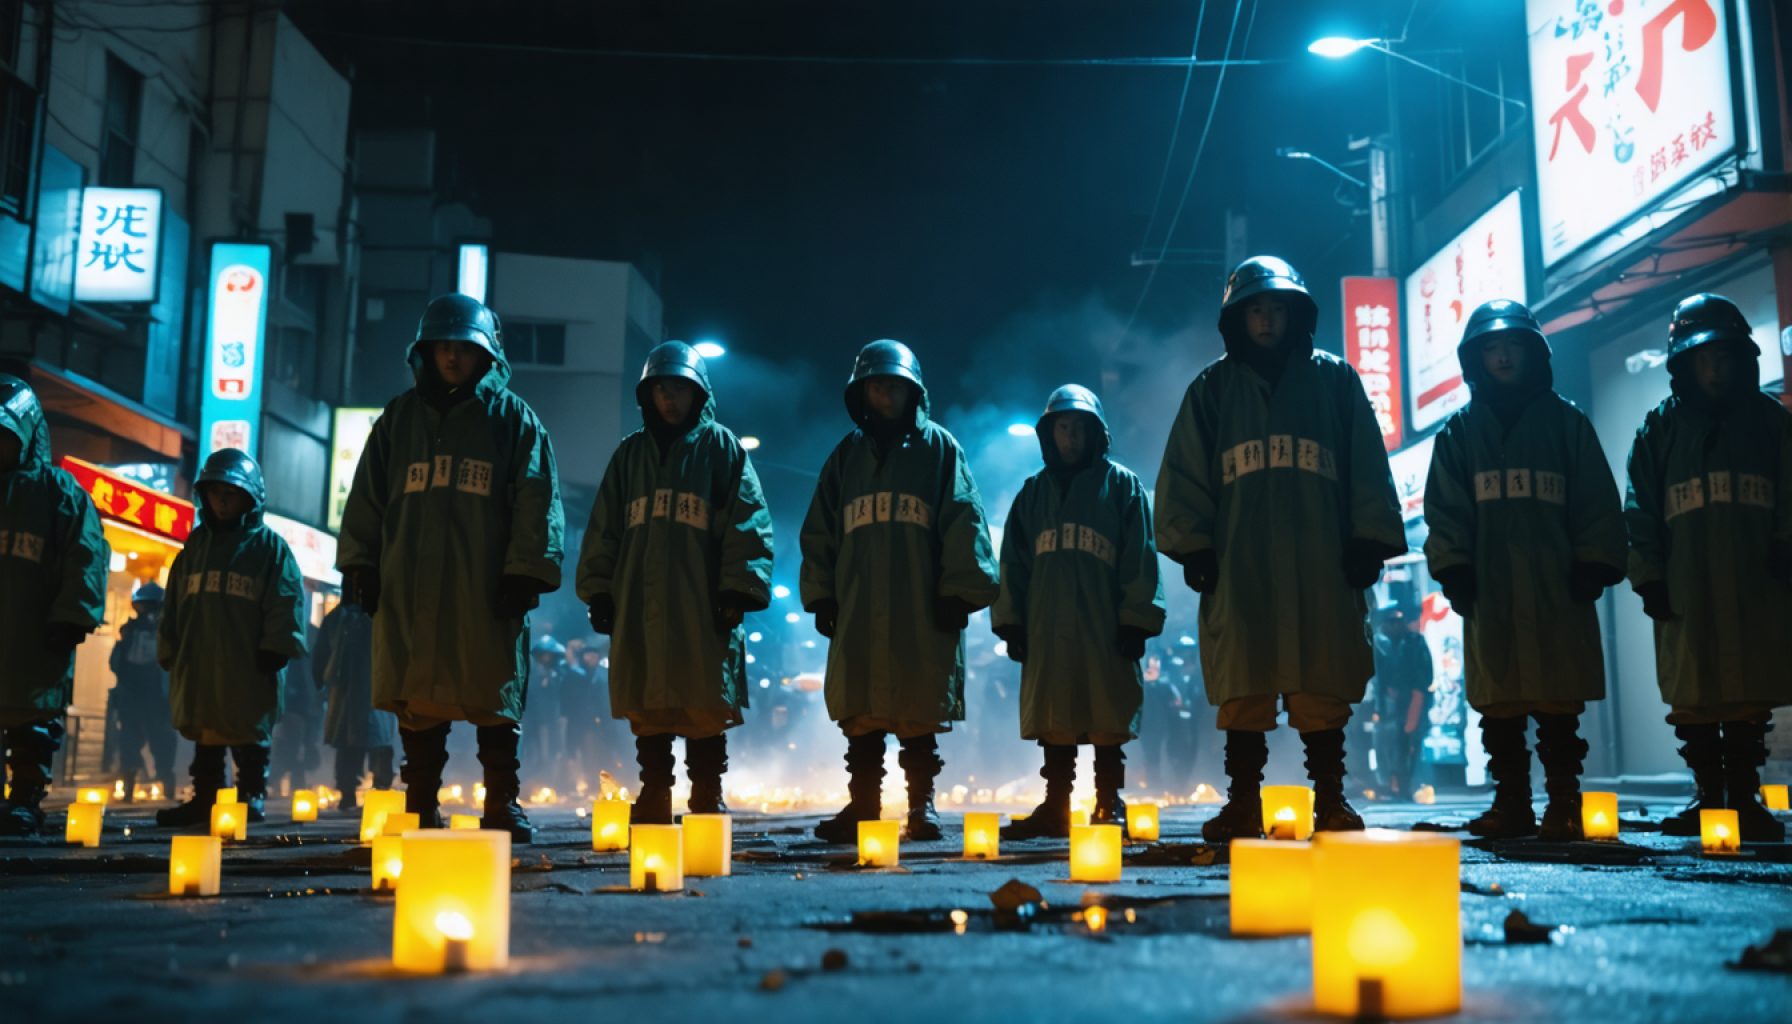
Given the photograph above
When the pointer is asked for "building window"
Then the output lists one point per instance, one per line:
(535, 344)
(18, 111)
(124, 100)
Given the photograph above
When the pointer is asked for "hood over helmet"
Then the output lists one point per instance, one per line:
(884, 358)
(457, 317)
(1707, 319)
(1072, 398)
(233, 466)
(23, 415)
(1261, 275)
(1515, 320)
(674, 359)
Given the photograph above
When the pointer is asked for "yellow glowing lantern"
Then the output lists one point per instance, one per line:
(397, 823)
(463, 822)
(1095, 853)
(656, 858)
(1141, 821)
(118, 789)
(1096, 918)
(708, 845)
(982, 835)
(304, 805)
(1272, 887)
(1387, 930)
(230, 821)
(93, 795)
(1599, 815)
(1774, 797)
(1288, 812)
(453, 910)
(374, 807)
(1719, 832)
(226, 795)
(193, 866)
(880, 843)
(609, 824)
(388, 861)
(1079, 816)
(84, 823)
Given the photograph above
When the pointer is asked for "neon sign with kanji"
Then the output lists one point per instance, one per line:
(126, 501)
(118, 251)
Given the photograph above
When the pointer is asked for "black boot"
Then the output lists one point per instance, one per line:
(654, 804)
(1702, 748)
(380, 760)
(1510, 816)
(1561, 750)
(705, 761)
(497, 755)
(1745, 751)
(1325, 766)
(1242, 817)
(864, 787)
(1051, 819)
(921, 763)
(130, 787)
(31, 749)
(252, 778)
(425, 755)
(1110, 778)
(208, 777)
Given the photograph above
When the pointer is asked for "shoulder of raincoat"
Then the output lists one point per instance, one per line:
(672, 535)
(443, 505)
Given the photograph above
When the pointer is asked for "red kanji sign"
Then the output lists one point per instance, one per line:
(1372, 345)
(128, 502)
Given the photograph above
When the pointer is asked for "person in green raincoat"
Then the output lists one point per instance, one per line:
(233, 616)
(896, 558)
(1276, 499)
(452, 532)
(679, 549)
(1526, 533)
(1080, 597)
(1710, 518)
(53, 563)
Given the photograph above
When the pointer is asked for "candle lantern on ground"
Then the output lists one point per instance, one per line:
(463, 822)
(656, 858)
(708, 845)
(230, 821)
(1774, 797)
(982, 835)
(304, 805)
(609, 825)
(84, 823)
(398, 823)
(1288, 812)
(375, 805)
(453, 910)
(1095, 853)
(388, 861)
(880, 843)
(1720, 832)
(1599, 815)
(1387, 931)
(93, 795)
(1141, 821)
(193, 865)
(1272, 887)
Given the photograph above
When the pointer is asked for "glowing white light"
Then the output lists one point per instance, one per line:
(710, 349)
(793, 617)
(755, 636)
(780, 591)
(1020, 430)
(1336, 47)
(750, 443)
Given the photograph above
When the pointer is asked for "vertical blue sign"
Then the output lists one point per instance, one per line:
(235, 336)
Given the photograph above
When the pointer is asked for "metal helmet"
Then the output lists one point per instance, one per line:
(1071, 398)
(882, 358)
(1706, 319)
(546, 644)
(1261, 275)
(148, 593)
(233, 466)
(457, 317)
(673, 359)
(1499, 316)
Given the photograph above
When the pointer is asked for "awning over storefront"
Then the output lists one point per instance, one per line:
(97, 424)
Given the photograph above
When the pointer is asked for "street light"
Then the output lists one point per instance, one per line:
(1020, 430)
(710, 349)
(1301, 154)
(750, 443)
(1339, 47)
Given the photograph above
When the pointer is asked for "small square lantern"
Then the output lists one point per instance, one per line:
(1599, 815)
(1387, 928)
(304, 805)
(982, 835)
(708, 845)
(1288, 812)
(1095, 853)
(609, 825)
(880, 843)
(99, 795)
(1141, 821)
(1272, 887)
(1774, 797)
(375, 805)
(193, 866)
(388, 861)
(397, 823)
(230, 821)
(453, 910)
(656, 858)
(463, 822)
(84, 823)
(1720, 833)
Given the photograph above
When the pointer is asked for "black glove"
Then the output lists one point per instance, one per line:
(1362, 563)
(361, 585)
(61, 638)
(1131, 642)
(603, 614)
(517, 595)
(730, 611)
(1202, 571)
(827, 614)
(1779, 562)
(1587, 581)
(1016, 639)
(269, 662)
(1459, 588)
(951, 614)
(1655, 601)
